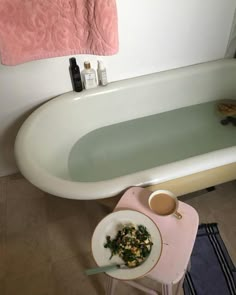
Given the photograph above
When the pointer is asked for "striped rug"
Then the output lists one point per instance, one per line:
(212, 271)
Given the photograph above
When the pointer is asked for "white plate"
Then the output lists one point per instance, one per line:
(109, 226)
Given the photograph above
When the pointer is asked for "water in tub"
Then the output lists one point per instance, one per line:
(147, 142)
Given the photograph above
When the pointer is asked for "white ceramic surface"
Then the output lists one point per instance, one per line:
(45, 139)
(109, 226)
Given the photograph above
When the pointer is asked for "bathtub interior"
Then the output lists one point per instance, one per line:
(149, 142)
(91, 119)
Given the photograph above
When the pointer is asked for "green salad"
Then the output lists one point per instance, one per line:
(132, 244)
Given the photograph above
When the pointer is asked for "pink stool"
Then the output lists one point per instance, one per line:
(178, 240)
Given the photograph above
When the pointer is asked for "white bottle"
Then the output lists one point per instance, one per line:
(102, 74)
(88, 76)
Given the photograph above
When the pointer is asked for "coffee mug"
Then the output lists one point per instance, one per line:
(164, 203)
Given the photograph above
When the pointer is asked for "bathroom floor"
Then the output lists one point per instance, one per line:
(45, 240)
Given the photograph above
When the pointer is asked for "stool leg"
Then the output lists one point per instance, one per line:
(167, 289)
(181, 282)
(110, 286)
(142, 288)
(180, 285)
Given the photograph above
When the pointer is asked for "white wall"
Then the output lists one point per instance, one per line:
(154, 35)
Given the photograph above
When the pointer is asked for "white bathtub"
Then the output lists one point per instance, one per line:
(54, 141)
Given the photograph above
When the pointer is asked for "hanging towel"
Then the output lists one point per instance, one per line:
(36, 29)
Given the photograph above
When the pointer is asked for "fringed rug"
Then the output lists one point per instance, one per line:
(212, 271)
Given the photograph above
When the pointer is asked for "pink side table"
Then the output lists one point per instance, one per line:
(178, 240)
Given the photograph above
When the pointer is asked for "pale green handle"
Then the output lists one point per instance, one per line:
(93, 271)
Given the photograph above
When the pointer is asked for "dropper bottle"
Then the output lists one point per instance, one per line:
(89, 76)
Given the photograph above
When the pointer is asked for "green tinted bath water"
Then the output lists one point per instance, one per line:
(144, 143)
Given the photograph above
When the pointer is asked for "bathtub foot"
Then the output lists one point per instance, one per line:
(210, 189)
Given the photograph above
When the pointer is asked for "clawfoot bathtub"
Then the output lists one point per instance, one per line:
(143, 131)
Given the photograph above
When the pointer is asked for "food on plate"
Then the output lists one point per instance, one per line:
(133, 244)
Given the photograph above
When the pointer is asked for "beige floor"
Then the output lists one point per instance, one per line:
(45, 240)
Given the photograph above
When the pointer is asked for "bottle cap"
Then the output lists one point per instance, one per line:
(72, 61)
(101, 65)
(87, 65)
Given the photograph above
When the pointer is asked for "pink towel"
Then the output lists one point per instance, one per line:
(35, 29)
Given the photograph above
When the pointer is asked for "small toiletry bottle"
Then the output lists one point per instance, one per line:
(102, 74)
(89, 76)
(75, 75)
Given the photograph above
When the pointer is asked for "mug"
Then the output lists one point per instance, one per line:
(164, 203)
